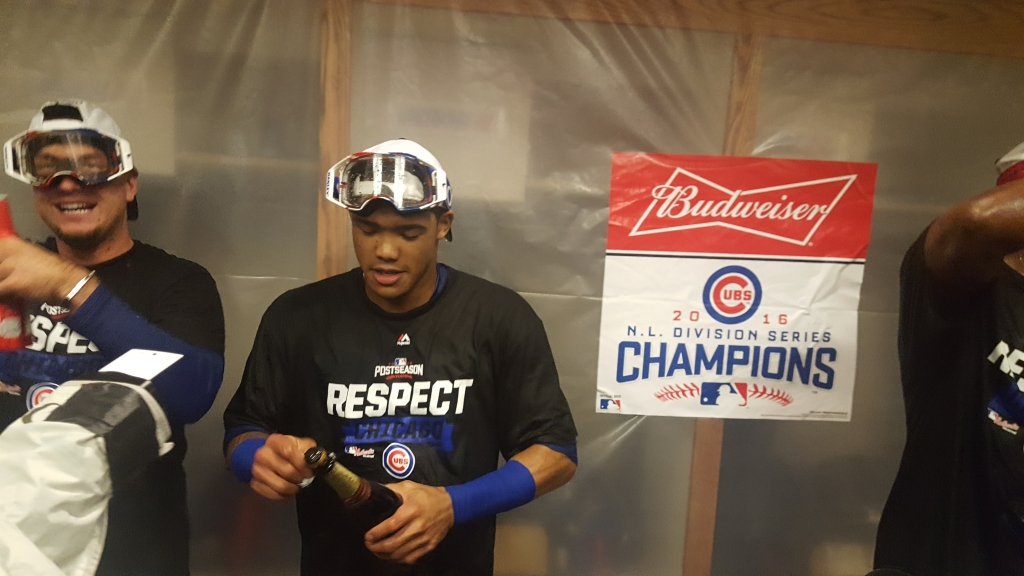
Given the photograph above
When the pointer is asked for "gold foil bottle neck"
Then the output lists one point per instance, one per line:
(344, 482)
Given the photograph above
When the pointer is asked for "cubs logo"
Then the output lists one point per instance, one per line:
(732, 294)
(399, 460)
(38, 393)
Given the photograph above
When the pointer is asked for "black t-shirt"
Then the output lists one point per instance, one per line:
(148, 519)
(955, 506)
(432, 396)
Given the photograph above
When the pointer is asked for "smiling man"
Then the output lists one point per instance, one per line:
(415, 374)
(94, 293)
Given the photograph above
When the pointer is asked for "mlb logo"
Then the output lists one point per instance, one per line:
(401, 362)
(611, 404)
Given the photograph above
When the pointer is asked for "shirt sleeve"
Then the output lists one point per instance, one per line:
(531, 406)
(190, 310)
(261, 400)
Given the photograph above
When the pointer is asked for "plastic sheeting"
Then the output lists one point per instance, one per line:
(805, 498)
(221, 102)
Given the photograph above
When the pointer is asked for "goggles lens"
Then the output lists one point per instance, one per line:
(87, 155)
(399, 178)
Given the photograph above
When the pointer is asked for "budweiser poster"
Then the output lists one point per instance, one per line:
(731, 286)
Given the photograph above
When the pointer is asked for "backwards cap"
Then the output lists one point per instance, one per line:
(80, 115)
(73, 115)
(404, 146)
(374, 173)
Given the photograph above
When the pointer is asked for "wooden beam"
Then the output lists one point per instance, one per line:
(705, 464)
(982, 27)
(744, 92)
(335, 81)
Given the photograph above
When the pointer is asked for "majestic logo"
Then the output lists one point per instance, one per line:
(400, 367)
(38, 394)
(790, 212)
(732, 294)
(709, 393)
(404, 340)
(399, 460)
(359, 452)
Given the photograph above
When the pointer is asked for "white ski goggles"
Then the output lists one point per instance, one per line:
(402, 179)
(91, 157)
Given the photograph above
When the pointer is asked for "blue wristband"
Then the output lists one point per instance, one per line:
(243, 456)
(506, 488)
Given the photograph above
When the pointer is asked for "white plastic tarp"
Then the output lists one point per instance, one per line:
(57, 476)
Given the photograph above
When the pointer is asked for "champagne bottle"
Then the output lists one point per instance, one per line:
(369, 503)
(14, 334)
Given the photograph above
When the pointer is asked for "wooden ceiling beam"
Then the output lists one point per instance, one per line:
(979, 27)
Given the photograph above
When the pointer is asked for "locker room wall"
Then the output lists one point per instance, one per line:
(222, 104)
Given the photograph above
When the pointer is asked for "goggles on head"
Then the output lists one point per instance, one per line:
(89, 156)
(400, 178)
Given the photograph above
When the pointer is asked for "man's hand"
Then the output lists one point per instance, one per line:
(32, 273)
(417, 527)
(279, 466)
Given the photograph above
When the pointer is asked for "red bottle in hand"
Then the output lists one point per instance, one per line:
(14, 333)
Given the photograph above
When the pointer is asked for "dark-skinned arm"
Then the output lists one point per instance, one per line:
(967, 245)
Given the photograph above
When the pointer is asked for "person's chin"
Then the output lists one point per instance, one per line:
(393, 292)
(80, 240)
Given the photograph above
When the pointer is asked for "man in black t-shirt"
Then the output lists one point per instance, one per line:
(415, 374)
(957, 504)
(94, 293)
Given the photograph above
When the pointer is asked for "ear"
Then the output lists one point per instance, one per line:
(444, 224)
(131, 182)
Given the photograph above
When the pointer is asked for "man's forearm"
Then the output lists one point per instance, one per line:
(187, 388)
(967, 243)
(550, 469)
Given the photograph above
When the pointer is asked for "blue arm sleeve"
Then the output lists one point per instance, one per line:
(187, 388)
(506, 488)
(243, 456)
